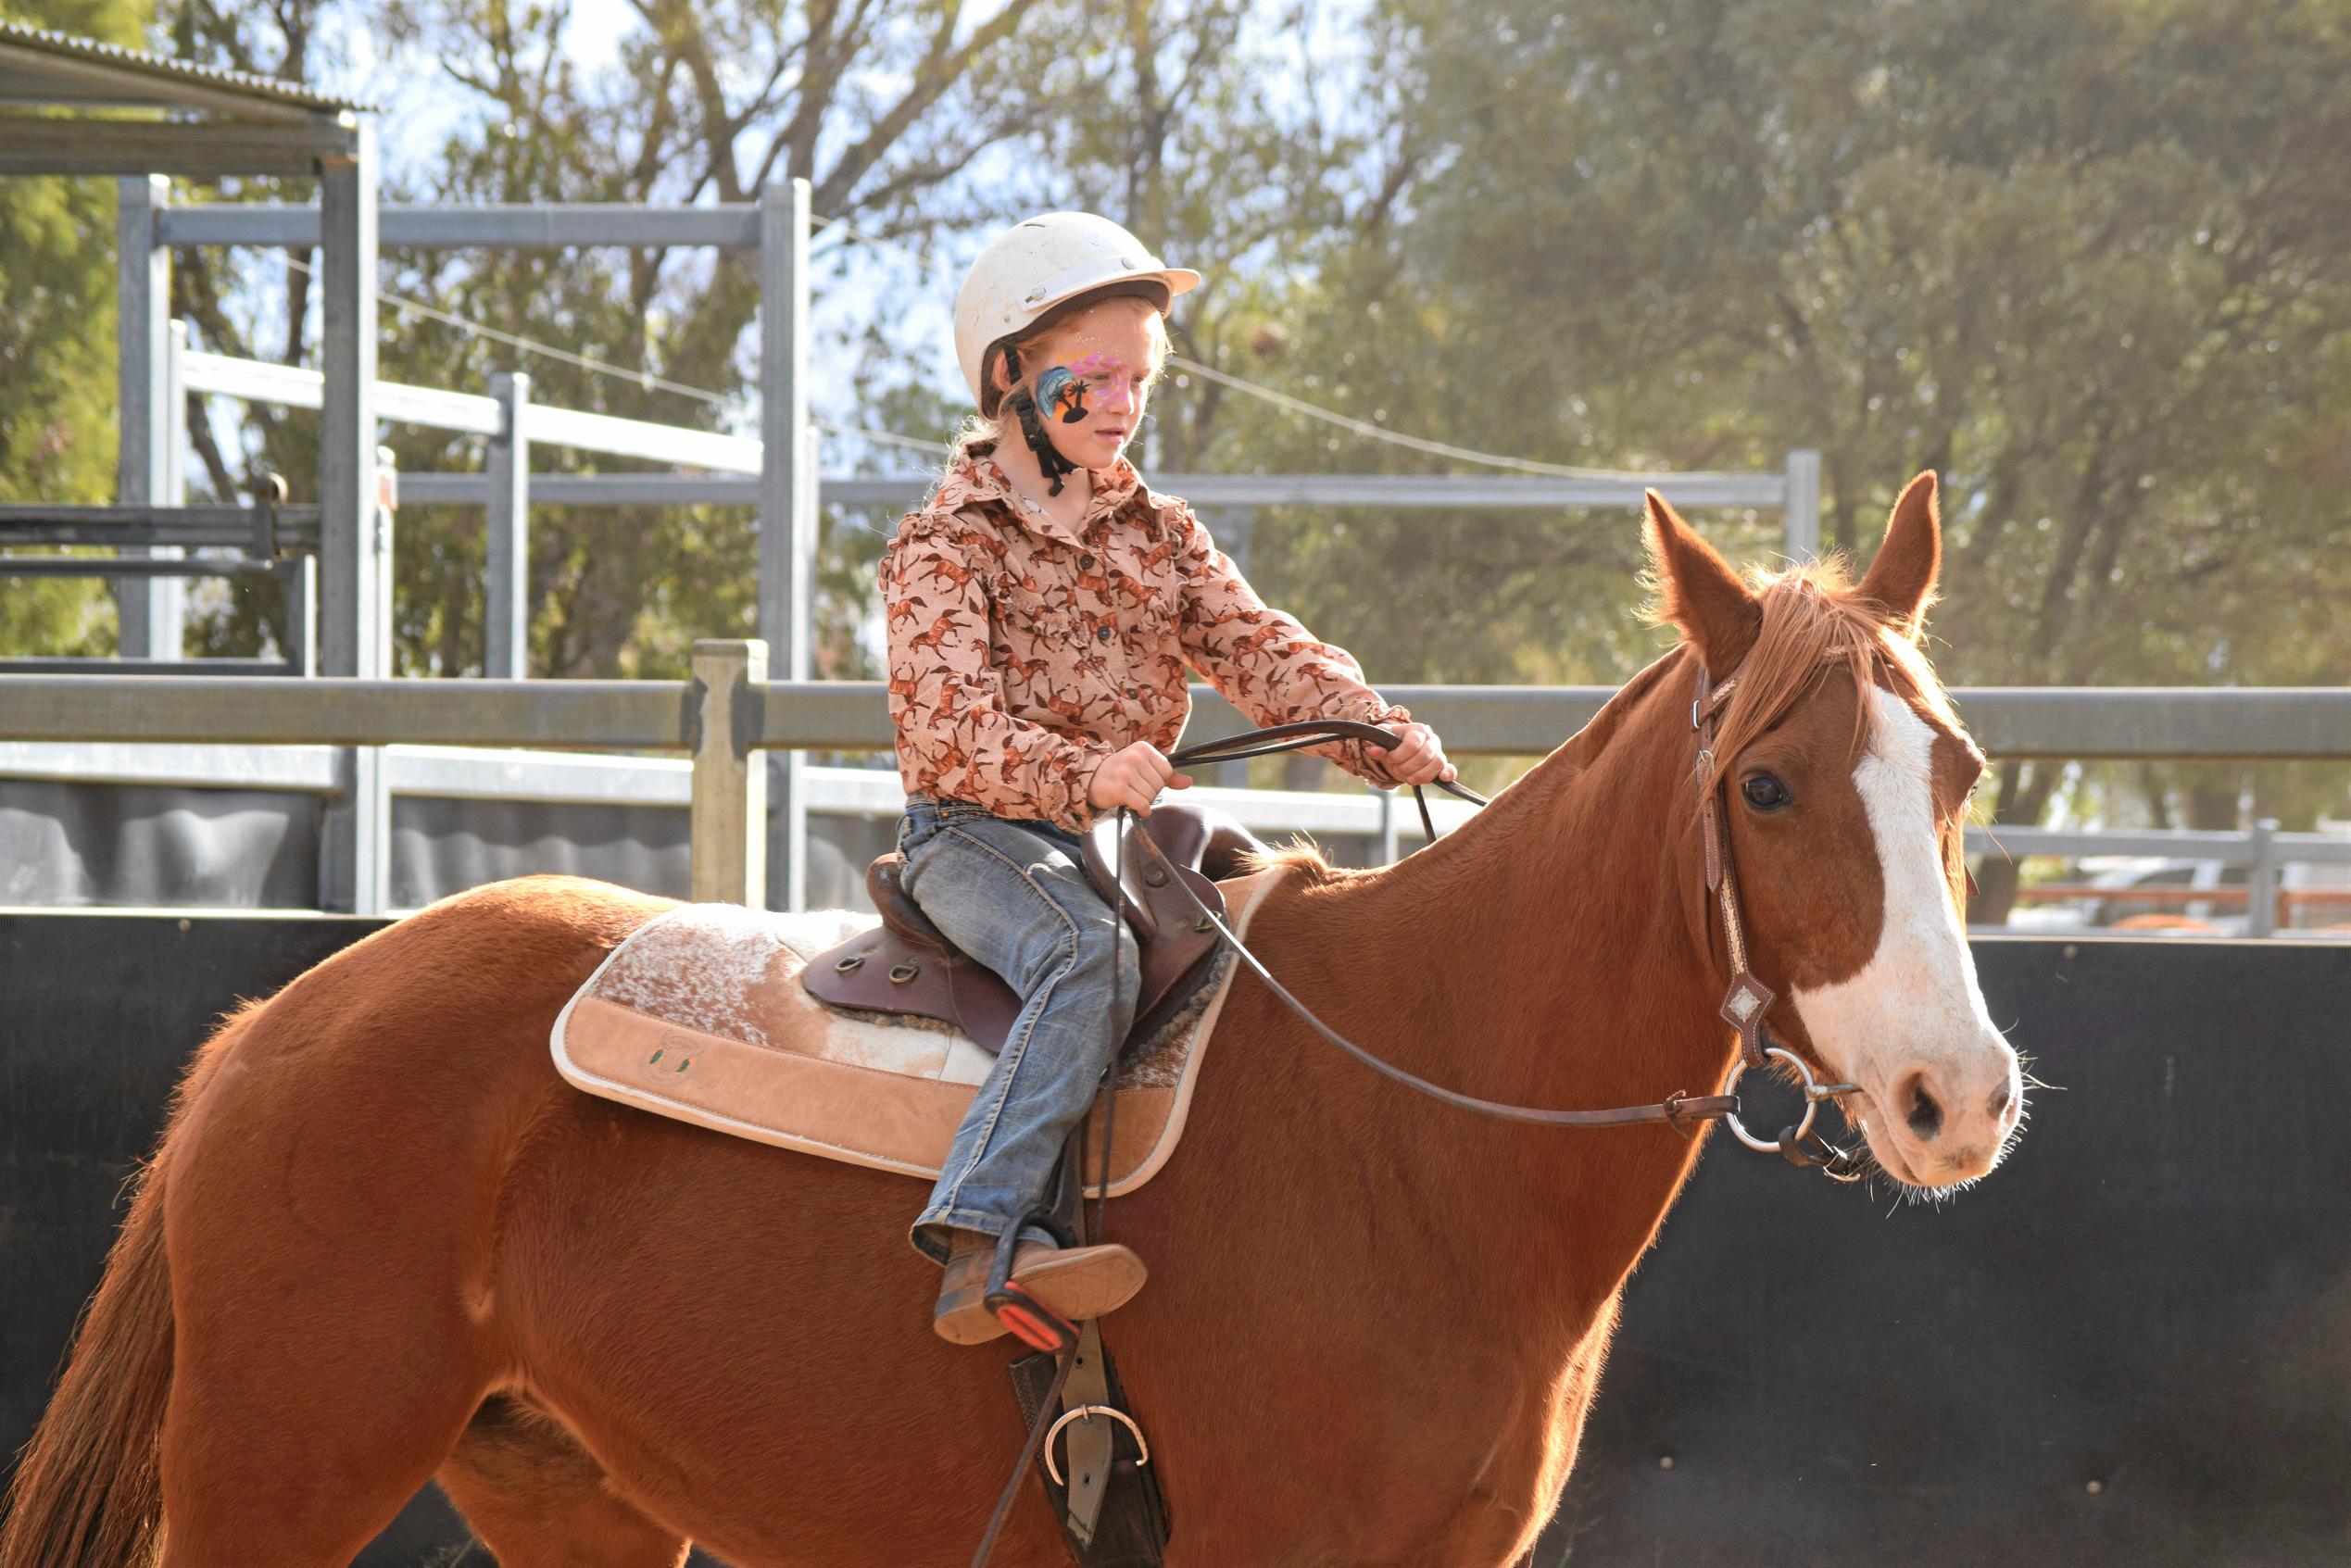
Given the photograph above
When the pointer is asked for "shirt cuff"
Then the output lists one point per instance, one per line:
(1361, 758)
(1075, 811)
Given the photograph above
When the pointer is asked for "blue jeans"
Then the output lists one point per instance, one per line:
(1013, 895)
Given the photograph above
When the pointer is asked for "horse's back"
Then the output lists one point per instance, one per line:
(345, 1122)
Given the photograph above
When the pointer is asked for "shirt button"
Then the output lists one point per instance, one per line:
(1131, 691)
(1103, 634)
(1087, 561)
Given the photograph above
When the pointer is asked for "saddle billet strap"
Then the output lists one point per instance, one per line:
(1674, 1110)
(1090, 1441)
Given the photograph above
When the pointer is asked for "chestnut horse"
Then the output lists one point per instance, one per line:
(381, 1242)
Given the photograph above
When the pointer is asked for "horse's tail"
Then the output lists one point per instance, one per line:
(88, 1492)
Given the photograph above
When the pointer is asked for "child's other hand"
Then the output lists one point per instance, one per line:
(1134, 777)
(1418, 760)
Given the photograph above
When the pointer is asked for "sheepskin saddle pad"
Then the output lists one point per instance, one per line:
(699, 1015)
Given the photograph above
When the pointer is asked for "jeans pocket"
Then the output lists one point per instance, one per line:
(920, 823)
(925, 821)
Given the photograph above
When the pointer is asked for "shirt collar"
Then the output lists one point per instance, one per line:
(976, 476)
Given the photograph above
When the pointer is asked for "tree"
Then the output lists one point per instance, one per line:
(876, 104)
(2089, 261)
(56, 359)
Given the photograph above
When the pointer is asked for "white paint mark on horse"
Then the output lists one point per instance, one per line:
(1915, 1007)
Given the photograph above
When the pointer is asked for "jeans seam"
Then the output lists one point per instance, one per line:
(1018, 1052)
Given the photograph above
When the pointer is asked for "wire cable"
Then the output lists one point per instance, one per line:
(1365, 428)
(1395, 437)
(640, 376)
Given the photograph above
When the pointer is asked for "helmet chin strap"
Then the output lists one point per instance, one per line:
(1050, 460)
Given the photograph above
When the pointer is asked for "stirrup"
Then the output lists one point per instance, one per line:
(1031, 1321)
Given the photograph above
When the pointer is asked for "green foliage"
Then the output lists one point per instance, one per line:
(57, 358)
(879, 107)
(2091, 262)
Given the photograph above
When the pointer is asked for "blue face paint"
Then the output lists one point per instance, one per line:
(1061, 395)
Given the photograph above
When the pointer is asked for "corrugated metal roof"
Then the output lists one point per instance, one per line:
(39, 66)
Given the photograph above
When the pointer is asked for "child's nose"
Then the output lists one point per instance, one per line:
(1118, 399)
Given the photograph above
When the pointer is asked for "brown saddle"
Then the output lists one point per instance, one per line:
(907, 965)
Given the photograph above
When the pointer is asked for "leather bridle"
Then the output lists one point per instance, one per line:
(1745, 1005)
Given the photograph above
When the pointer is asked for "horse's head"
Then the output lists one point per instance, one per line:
(1846, 784)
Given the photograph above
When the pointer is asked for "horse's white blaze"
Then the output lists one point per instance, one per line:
(1915, 1006)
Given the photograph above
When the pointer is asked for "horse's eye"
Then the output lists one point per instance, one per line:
(1765, 793)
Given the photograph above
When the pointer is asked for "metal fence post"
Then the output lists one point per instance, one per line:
(787, 492)
(506, 594)
(347, 625)
(175, 427)
(2261, 880)
(149, 610)
(730, 779)
(1801, 511)
(353, 526)
(1390, 839)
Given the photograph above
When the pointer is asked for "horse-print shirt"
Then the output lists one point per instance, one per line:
(1022, 653)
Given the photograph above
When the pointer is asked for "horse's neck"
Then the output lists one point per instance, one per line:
(1550, 952)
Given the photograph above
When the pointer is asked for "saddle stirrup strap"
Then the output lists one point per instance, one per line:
(1089, 1439)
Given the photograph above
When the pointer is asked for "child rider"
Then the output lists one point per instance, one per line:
(1042, 608)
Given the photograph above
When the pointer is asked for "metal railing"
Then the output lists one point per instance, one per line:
(728, 713)
(776, 473)
(2263, 851)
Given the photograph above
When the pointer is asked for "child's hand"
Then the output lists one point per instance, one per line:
(1419, 760)
(1133, 777)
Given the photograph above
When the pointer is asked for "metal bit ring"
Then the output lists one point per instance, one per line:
(1815, 1091)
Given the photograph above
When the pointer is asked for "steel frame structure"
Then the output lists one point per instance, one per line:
(730, 711)
(737, 471)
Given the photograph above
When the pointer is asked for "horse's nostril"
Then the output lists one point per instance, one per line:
(1926, 1116)
(1999, 1103)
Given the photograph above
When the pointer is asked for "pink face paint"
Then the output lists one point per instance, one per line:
(1105, 379)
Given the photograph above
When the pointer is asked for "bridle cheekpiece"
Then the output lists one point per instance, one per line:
(1745, 1005)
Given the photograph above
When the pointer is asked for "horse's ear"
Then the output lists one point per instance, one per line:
(1699, 593)
(1900, 582)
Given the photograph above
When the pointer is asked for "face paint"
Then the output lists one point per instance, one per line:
(1079, 411)
(1061, 395)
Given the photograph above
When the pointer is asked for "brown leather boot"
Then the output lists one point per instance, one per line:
(1076, 1282)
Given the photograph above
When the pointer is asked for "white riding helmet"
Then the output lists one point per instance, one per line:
(1034, 266)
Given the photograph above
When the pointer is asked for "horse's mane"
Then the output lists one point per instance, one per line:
(1300, 855)
(1814, 621)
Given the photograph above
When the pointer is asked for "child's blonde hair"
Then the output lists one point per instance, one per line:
(986, 427)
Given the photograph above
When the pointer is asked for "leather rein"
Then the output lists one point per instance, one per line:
(1743, 1007)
